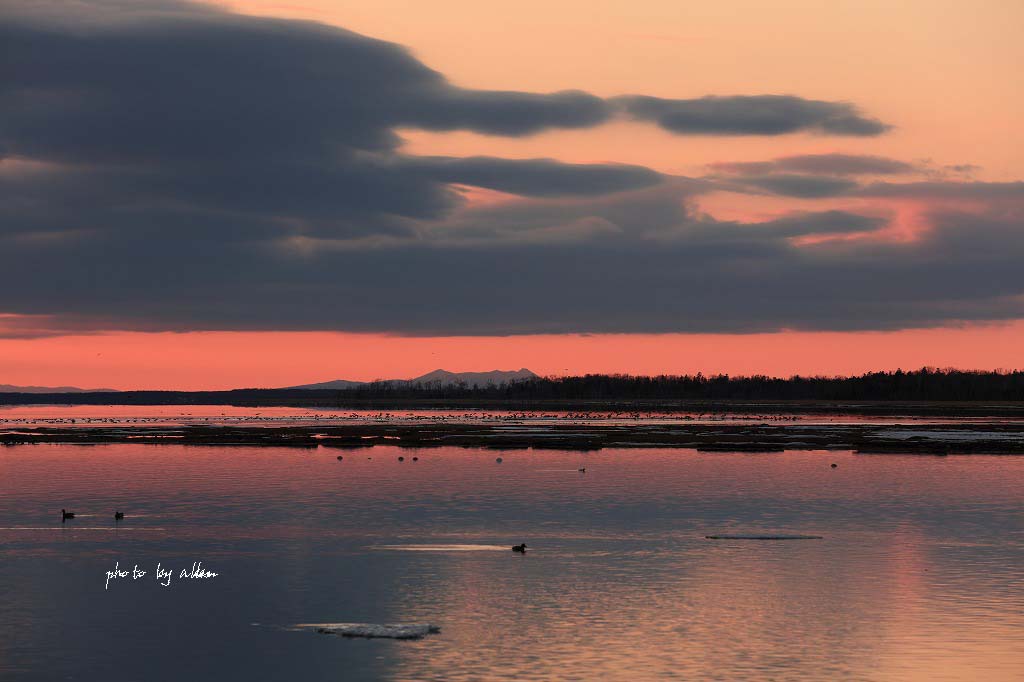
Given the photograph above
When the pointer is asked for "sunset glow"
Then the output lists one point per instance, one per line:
(224, 360)
(786, 188)
(615, 340)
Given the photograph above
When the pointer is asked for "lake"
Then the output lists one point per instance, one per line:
(918, 575)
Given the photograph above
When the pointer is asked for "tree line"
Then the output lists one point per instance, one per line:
(926, 384)
(923, 384)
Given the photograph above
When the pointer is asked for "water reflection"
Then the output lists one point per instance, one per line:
(918, 575)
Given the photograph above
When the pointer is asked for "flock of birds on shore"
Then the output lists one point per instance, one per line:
(387, 417)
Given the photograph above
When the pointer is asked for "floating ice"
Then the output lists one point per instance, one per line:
(942, 435)
(386, 630)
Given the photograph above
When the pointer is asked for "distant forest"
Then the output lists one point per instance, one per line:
(926, 384)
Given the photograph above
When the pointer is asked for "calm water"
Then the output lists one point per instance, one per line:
(920, 575)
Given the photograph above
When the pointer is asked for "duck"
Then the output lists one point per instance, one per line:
(519, 548)
(65, 515)
(118, 515)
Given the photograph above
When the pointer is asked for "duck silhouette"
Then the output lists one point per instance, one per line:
(65, 515)
(519, 548)
(118, 515)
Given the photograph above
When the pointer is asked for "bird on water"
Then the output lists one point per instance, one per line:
(519, 548)
(118, 515)
(65, 515)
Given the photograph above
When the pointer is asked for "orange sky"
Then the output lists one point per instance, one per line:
(943, 73)
(218, 360)
(940, 71)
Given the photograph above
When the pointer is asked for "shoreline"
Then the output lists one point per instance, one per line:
(995, 438)
(331, 400)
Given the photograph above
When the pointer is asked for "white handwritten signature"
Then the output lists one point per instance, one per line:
(163, 575)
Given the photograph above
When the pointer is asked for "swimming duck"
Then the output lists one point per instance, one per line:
(65, 515)
(118, 515)
(519, 548)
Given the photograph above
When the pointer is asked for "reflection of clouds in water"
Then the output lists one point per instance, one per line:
(919, 570)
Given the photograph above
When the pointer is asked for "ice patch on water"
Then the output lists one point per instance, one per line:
(373, 630)
(952, 436)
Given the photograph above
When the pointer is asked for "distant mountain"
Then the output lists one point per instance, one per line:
(495, 377)
(439, 377)
(8, 388)
(336, 385)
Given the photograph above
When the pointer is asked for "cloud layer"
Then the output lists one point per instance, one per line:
(170, 166)
(827, 164)
(752, 115)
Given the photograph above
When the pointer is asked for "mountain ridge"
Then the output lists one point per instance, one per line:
(437, 377)
(11, 388)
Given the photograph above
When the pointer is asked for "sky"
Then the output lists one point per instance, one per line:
(262, 193)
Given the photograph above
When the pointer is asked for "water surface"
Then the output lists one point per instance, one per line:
(919, 574)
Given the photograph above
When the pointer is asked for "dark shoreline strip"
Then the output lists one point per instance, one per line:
(990, 438)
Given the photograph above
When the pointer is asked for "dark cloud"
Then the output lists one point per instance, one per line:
(648, 212)
(202, 87)
(135, 113)
(647, 265)
(981, 191)
(506, 113)
(962, 168)
(534, 177)
(178, 168)
(823, 223)
(142, 112)
(808, 186)
(827, 164)
(794, 185)
(751, 115)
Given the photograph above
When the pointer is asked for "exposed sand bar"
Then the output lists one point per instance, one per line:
(997, 437)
